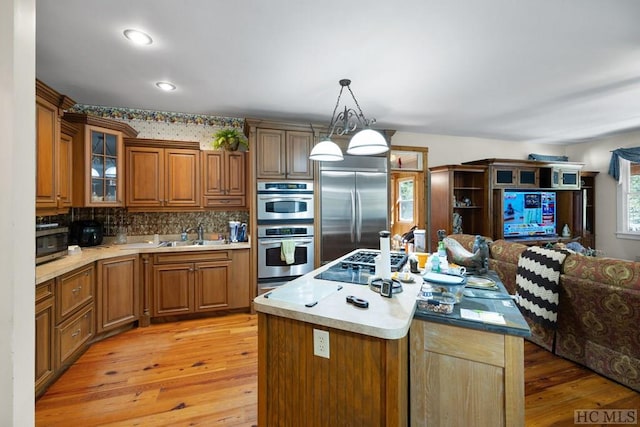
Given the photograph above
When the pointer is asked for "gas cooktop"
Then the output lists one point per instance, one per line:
(358, 267)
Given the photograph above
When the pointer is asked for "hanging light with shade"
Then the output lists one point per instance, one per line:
(365, 142)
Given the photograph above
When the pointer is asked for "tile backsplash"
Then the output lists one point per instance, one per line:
(148, 223)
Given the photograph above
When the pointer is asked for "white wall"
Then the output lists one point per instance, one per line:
(444, 150)
(596, 156)
(17, 231)
(451, 150)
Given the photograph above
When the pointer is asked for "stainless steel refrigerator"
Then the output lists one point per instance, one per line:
(353, 204)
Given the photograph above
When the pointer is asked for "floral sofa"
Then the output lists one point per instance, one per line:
(598, 319)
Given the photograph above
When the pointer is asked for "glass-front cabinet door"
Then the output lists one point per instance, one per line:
(106, 157)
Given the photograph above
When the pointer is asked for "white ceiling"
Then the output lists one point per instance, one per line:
(530, 70)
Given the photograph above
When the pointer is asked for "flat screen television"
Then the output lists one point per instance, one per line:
(529, 213)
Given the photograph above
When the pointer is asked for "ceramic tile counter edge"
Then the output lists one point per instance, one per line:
(88, 255)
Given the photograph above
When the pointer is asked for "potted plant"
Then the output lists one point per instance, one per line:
(229, 139)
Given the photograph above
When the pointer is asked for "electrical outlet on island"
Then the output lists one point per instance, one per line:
(321, 343)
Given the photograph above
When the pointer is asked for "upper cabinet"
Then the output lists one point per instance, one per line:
(223, 179)
(162, 174)
(98, 159)
(282, 149)
(53, 171)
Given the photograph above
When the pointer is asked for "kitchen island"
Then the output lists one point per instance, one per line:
(366, 378)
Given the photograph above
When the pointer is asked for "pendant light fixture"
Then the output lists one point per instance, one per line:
(365, 142)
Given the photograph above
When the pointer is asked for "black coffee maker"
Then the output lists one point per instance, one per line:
(86, 233)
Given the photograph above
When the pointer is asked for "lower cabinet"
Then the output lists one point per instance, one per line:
(74, 334)
(45, 342)
(75, 319)
(93, 301)
(200, 282)
(118, 293)
(465, 377)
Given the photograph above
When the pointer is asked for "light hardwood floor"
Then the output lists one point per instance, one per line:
(204, 373)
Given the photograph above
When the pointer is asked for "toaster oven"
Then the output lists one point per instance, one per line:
(51, 242)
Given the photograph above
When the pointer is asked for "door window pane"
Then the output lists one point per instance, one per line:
(405, 200)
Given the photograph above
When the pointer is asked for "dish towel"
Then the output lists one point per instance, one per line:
(287, 251)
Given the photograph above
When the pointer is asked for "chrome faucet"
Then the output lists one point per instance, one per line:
(199, 229)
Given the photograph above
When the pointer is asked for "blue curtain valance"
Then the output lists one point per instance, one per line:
(631, 154)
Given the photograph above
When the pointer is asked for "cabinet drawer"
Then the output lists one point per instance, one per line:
(74, 334)
(74, 290)
(163, 258)
(213, 202)
(44, 290)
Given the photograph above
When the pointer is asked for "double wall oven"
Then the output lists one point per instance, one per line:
(285, 220)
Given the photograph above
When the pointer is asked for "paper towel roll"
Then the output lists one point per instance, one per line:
(385, 253)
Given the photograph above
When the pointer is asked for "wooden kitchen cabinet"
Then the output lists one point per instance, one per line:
(239, 290)
(98, 159)
(53, 152)
(118, 292)
(73, 290)
(284, 154)
(224, 179)
(212, 281)
(196, 282)
(74, 311)
(173, 289)
(487, 372)
(44, 334)
(162, 174)
(65, 165)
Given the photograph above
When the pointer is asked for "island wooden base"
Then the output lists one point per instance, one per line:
(363, 383)
(464, 377)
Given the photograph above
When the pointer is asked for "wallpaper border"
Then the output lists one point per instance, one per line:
(157, 116)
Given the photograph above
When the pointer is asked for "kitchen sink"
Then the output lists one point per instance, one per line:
(182, 243)
(208, 242)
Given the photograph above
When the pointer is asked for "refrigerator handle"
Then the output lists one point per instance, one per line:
(353, 216)
(359, 225)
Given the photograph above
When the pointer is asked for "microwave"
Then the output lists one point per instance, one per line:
(51, 242)
(560, 177)
(285, 201)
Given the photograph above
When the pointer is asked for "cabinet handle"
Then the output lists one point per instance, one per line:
(192, 269)
(76, 290)
(76, 333)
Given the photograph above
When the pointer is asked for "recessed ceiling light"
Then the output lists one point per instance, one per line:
(166, 86)
(138, 37)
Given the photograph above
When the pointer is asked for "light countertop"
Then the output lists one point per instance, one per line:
(88, 255)
(387, 318)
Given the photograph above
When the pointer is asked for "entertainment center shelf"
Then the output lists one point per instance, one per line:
(468, 198)
(459, 190)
